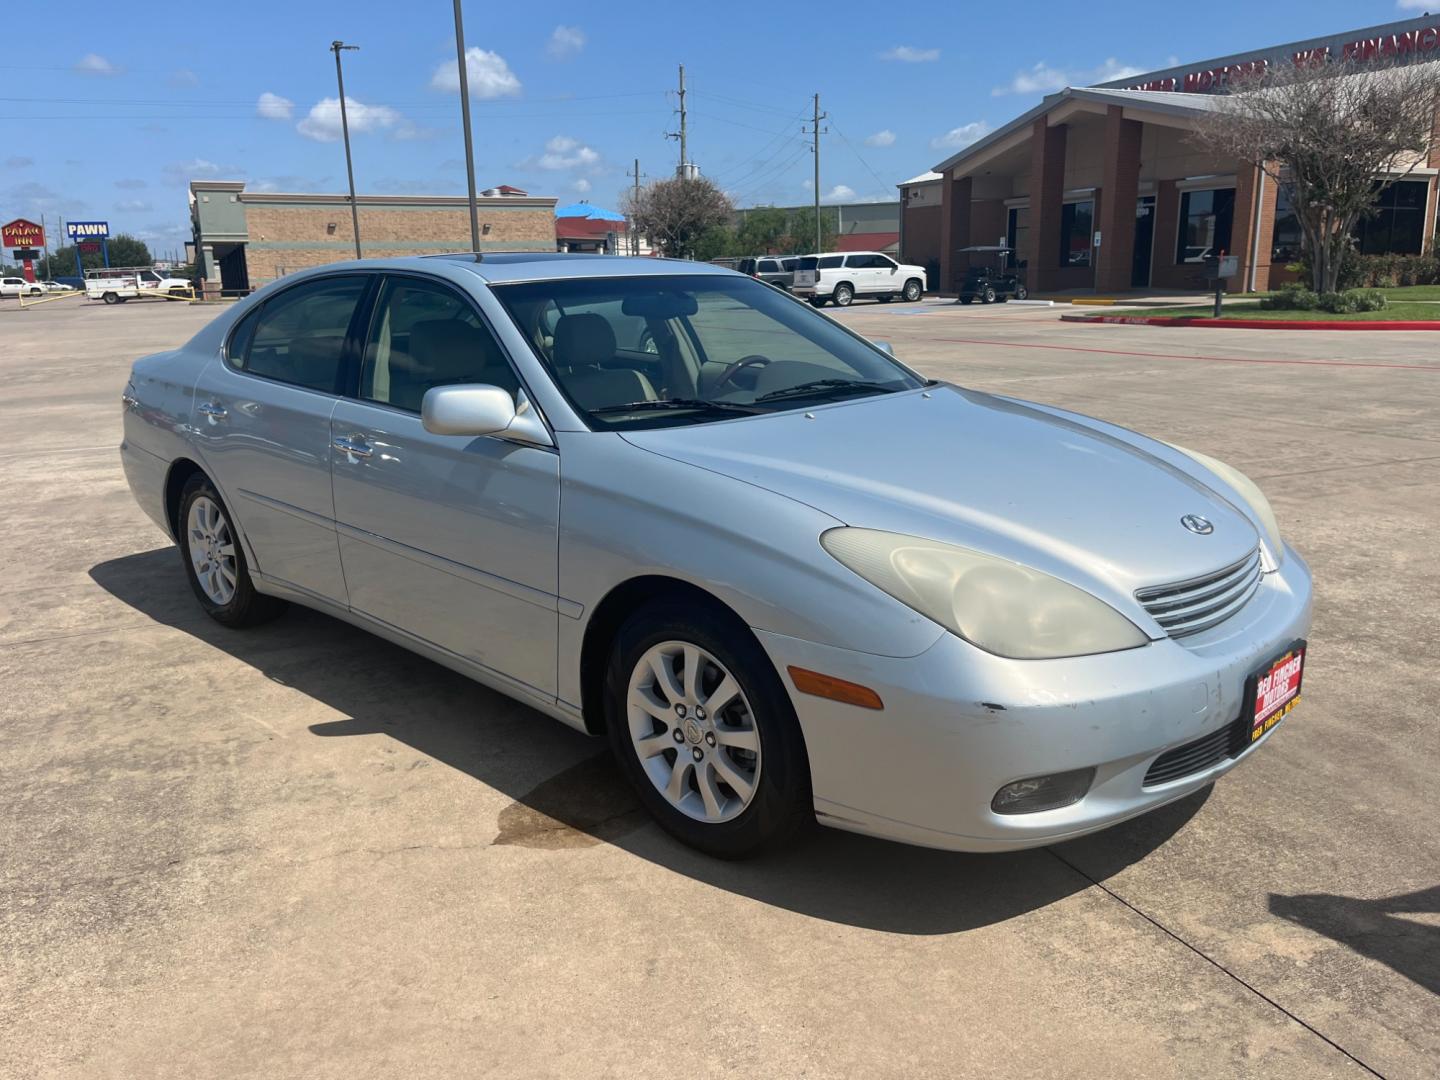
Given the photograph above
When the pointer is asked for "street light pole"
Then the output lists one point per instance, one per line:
(337, 47)
(465, 120)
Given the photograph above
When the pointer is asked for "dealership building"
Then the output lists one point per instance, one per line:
(1102, 187)
(244, 239)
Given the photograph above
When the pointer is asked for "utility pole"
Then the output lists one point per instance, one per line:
(337, 47)
(815, 148)
(683, 170)
(634, 205)
(465, 119)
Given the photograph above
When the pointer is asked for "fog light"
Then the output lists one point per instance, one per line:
(1043, 792)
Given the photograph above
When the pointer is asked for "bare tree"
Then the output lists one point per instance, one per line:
(1329, 133)
(674, 214)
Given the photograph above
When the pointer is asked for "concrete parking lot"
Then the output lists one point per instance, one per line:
(303, 852)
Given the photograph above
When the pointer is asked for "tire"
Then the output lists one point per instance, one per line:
(110, 298)
(1021, 292)
(913, 291)
(778, 802)
(988, 296)
(230, 599)
(843, 295)
(177, 291)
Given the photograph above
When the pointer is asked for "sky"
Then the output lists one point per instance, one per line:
(107, 114)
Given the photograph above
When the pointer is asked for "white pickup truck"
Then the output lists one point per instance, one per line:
(115, 285)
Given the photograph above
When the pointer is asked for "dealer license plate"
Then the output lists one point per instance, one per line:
(1274, 690)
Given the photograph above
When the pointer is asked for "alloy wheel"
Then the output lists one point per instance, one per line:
(693, 732)
(212, 550)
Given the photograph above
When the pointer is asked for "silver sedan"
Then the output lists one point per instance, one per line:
(785, 576)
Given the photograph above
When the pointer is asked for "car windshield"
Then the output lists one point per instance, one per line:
(661, 351)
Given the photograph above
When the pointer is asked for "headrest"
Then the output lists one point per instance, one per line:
(582, 341)
(449, 349)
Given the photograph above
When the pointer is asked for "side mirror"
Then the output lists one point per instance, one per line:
(477, 409)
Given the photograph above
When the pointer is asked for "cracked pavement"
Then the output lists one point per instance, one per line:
(302, 852)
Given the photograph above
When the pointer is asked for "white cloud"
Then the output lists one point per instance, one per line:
(184, 77)
(182, 172)
(582, 186)
(489, 75)
(908, 54)
(565, 42)
(19, 162)
(881, 138)
(133, 206)
(1415, 5)
(563, 152)
(95, 64)
(960, 136)
(1044, 79)
(839, 193)
(274, 107)
(323, 124)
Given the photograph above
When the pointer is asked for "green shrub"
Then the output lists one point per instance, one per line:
(1291, 297)
(1352, 301)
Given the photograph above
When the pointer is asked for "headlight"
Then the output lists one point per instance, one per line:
(1000, 606)
(1247, 490)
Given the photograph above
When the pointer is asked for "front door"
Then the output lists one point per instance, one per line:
(1144, 242)
(262, 424)
(450, 538)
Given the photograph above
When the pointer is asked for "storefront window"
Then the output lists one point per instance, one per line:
(1206, 218)
(1017, 232)
(1285, 245)
(1398, 226)
(1077, 221)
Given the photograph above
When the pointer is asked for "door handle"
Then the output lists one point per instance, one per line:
(354, 445)
(215, 412)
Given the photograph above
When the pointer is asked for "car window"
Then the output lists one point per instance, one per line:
(884, 262)
(758, 350)
(240, 337)
(769, 266)
(830, 262)
(300, 334)
(422, 335)
(790, 264)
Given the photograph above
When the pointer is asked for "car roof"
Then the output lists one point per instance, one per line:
(508, 266)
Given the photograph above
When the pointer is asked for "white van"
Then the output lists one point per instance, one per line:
(115, 285)
(842, 276)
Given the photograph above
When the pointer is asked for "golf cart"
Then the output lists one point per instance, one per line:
(990, 277)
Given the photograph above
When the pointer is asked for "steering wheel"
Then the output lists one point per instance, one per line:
(753, 360)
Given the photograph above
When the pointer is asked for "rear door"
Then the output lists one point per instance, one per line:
(862, 273)
(450, 538)
(262, 425)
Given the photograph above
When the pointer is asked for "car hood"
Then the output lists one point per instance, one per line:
(1098, 508)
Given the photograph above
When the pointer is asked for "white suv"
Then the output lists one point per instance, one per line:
(14, 286)
(842, 277)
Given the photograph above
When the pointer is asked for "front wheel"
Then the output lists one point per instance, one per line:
(215, 560)
(988, 296)
(912, 291)
(843, 295)
(703, 729)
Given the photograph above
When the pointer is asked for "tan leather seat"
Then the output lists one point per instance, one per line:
(583, 343)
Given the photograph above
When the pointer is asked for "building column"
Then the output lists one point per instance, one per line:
(1248, 224)
(1047, 197)
(955, 198)
(211, 286)
(1115, 212)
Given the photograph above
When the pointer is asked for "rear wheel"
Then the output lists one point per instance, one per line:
(843, 295)
(988, 296)
(912, 291)
(215, 560)
(110, 298)
(704, 730)
(1021, 292)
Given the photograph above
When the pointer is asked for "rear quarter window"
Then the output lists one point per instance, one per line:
(831, 262)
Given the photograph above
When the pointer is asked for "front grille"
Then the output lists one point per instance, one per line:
(1187, 607)
(1228, 742)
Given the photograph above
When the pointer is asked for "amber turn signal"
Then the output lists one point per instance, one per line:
(827, 686)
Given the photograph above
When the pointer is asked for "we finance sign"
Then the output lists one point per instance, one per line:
(87, 230)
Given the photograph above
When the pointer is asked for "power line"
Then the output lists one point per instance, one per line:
(884, 186)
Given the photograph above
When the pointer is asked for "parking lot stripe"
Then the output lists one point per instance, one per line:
(1182, 356)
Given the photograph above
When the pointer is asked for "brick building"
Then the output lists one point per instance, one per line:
(1101, 187)
(244, 239)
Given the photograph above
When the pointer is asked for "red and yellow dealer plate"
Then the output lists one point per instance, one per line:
(1274, 690)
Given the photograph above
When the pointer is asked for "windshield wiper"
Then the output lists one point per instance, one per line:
(815, 386)
(696, 404)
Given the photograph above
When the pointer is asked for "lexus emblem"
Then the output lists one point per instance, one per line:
(1197, 524)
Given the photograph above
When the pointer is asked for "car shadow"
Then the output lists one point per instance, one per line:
(567, 792)
(1379, 929)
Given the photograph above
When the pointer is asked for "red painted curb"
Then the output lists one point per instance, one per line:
(1256, 324)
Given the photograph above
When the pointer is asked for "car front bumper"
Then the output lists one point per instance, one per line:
(959, 723)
